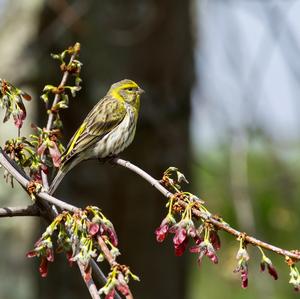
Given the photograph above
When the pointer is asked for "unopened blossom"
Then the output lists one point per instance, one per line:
(205, 248)
(111, 294)
(266, 262)
(191, 230)
(242, 268)
(162, 231)
(102, 226)
(93, 228)
(121, 285)
(109, 231)
(43, 268)
(43, 248)
(243, 258)
(180, 240)
(11, 98)
(215, 239)
(19, 118)
(294, 277)
(242, 254)
(54, 154)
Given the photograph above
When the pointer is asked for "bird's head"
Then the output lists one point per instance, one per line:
(128, 91)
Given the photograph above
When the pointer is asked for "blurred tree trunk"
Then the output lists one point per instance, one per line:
(149, 42)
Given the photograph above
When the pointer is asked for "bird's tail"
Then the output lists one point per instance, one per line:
(56, 181)
(65, 167)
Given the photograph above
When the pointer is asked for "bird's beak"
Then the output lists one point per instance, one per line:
(140, 91)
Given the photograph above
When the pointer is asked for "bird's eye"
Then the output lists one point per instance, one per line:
(130, 89)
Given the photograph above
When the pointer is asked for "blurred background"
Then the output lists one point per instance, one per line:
(221, 103)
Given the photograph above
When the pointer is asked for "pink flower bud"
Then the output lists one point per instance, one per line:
(55, 154)
(43, 268)
(93, 229)
(111, 294)
(161, 232)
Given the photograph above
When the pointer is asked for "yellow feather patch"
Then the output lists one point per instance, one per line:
(76, 136)
(115, 92)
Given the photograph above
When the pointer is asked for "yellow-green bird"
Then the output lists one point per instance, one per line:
(106, 131)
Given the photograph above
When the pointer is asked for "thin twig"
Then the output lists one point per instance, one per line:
(10, 166)
(111, 260)
(63, 82)
(50, 199)
(97, 271)
(57, 202)
(45, 200)
(31, 210)
(219, 223)
(105, 250)
(89, 282)
(5, 161)
(154, 183)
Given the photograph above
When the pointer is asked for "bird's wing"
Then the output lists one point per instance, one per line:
(101, 120)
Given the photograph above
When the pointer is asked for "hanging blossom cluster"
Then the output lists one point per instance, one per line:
(200, 235)
(76, 235)
(118, 280)
(79, 236)
(27, 152)
(180, 222)
(85, 234)
(294, 273)
(42, 149)
(47, 143)
(11, 99)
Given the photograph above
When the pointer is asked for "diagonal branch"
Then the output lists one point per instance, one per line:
(154, 183)
(111, 260)
(89, 282)
(12, 168)
(45, 201)
(219, 223)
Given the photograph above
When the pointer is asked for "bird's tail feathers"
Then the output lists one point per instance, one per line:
(65, 167)
(56, 181)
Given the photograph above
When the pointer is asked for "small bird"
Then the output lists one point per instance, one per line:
(107, 130)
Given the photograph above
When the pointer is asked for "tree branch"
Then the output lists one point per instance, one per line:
(61, 204)
(63, 82)
(31, 210)
(13, 170)
(97, 271)
(89, 282)
(45, 201)
(154, 183)
(111, 260)
(219, 223)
